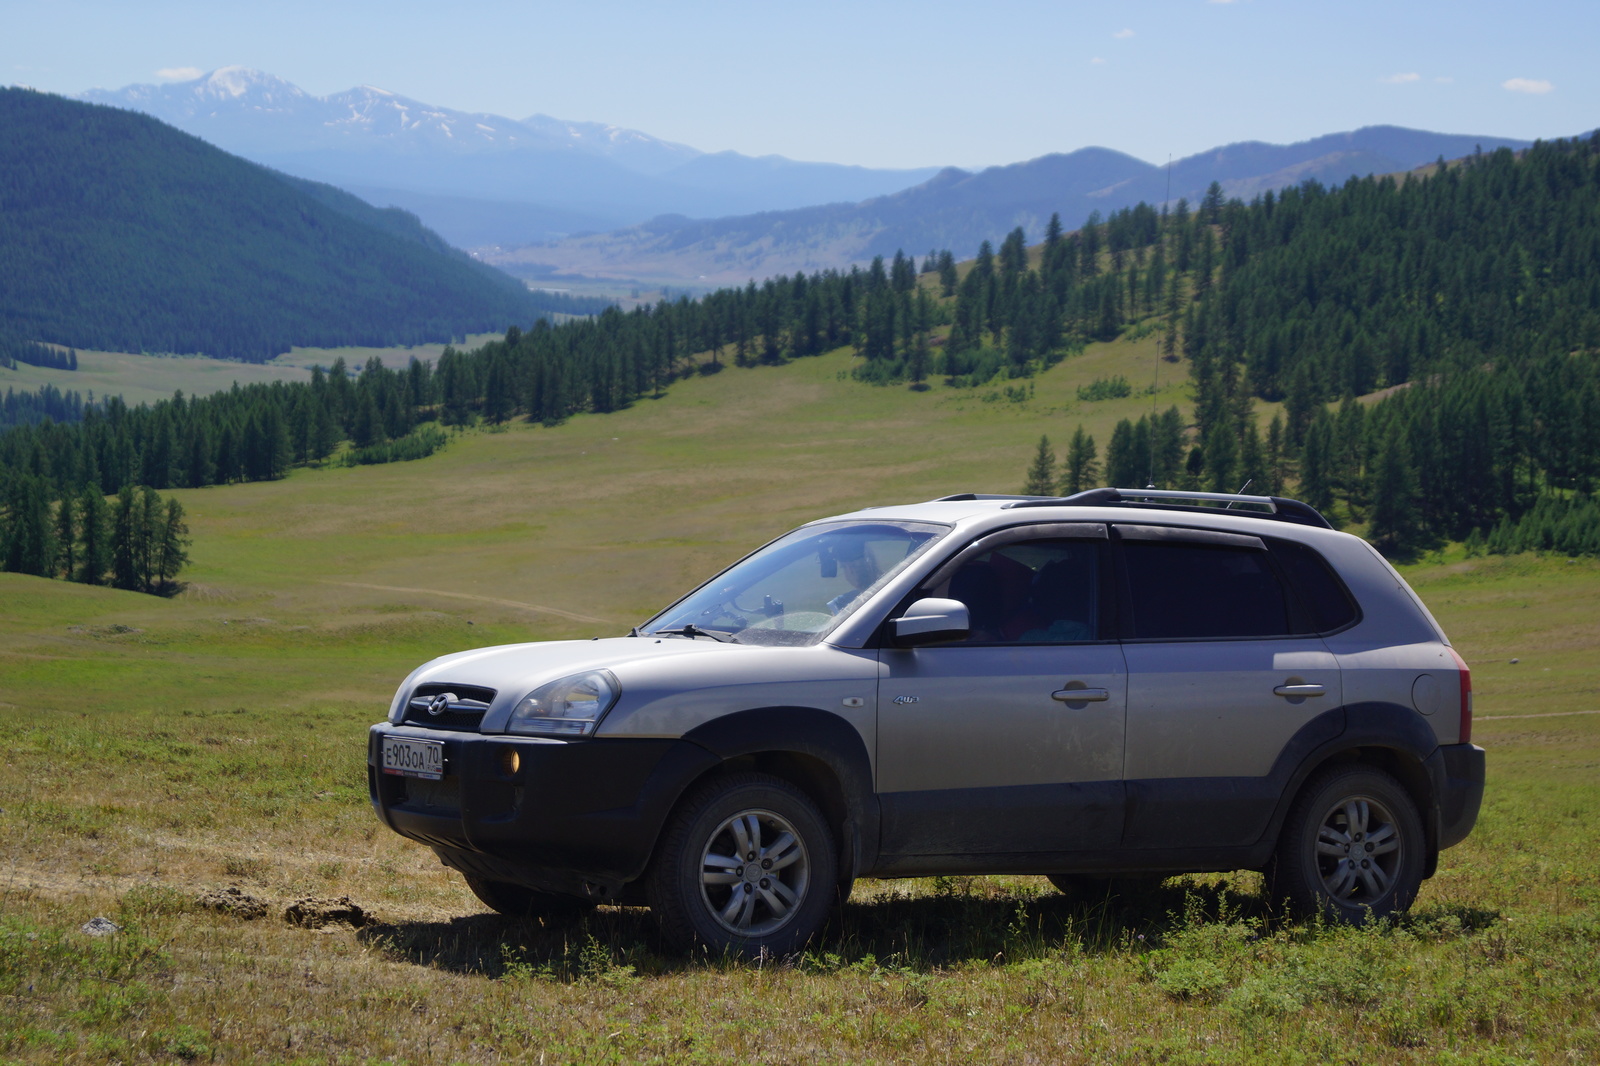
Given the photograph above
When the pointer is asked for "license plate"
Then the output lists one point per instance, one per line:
(413, 758)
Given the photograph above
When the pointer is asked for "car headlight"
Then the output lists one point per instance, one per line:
(570, 707)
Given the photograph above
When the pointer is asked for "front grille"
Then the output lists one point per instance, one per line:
(466, 706)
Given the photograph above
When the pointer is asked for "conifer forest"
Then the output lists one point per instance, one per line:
(1431, 344)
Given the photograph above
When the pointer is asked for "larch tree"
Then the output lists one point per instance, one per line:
(1042, 474)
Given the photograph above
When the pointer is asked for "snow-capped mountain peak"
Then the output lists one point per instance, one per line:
(253, 112)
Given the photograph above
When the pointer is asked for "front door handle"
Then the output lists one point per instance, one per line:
(1081, 695)
(1299, 691)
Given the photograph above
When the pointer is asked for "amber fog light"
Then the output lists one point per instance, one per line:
(510, 762)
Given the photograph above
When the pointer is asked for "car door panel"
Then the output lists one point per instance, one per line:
(1210, 708)
(975, 754)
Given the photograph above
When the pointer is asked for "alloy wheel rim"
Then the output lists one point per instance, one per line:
(754, 872)
(1358, 851)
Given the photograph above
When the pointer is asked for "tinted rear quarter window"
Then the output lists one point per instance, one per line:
(1327, 604)
(1184, 591)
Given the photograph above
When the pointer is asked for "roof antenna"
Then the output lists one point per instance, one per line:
(1247, 483)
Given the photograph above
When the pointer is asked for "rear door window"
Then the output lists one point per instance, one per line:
(1217, 589)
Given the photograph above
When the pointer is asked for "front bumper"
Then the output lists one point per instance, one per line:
(578, 817)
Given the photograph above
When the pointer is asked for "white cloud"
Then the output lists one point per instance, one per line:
(1536, 86)
(1401, 79)
(1097, 61)
(179, 73)
(1123, 35)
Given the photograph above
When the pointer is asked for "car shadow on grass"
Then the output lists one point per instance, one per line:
(961, 921)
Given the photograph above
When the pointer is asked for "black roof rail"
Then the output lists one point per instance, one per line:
(1275, 507)
(967, 497)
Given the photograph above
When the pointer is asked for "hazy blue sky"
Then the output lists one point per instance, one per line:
(883, 84)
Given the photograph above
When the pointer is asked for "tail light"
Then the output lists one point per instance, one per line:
(1466, 697)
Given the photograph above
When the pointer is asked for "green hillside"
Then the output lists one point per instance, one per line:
(1434, 344)
(124, 234)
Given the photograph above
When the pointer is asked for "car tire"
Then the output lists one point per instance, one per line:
(746, 866)
(1352, 848)
(517, 901)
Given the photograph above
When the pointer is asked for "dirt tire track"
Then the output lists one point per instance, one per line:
(558, 612)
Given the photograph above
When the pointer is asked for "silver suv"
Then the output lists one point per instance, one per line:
(1121, 682)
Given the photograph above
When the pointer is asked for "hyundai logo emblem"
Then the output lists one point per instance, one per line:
(441, 703)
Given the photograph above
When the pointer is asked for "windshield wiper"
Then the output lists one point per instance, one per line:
(691, 630)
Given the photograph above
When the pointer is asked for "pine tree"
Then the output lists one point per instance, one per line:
(94, 528)
(67, 536)
(1167, 448)
(127, 527)
(498, 399)
(947, 274)
(1277, 466)
(1125, 464)
(29, 537)
(917, 364)
(366, 429)
(1253, 467)
(1222, 456)
(1042, 474)
(324, 430)
(148, 539)
(1082, 466)
(1316, 478)
(1397, 528)
(171, 554)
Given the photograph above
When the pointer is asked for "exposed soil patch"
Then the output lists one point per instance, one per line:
(314, 912)
(235, 902)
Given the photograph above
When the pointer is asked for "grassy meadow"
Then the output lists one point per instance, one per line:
(161, 749)
(149, 378)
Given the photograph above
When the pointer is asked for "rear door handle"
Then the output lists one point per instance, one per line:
(1299, 691)
(1081, 695)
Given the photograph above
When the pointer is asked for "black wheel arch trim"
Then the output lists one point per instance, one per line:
(791, 742)
(1415, 759)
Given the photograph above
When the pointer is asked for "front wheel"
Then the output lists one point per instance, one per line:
(1352, 847)
(746, 865)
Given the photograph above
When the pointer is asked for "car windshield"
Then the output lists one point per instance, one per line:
(800, 586)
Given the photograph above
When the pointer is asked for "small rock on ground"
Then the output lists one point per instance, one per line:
(100, 927)
(232, 901)
(314, 912)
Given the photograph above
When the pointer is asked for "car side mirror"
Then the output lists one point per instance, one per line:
(931, 621)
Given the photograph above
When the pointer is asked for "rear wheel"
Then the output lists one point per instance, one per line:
(516, 901)
(1352, 846)
(746, 865)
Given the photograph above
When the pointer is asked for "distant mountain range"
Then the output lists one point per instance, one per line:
(122, 233)
(957, 209)
(547, 199)
(486, 179)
